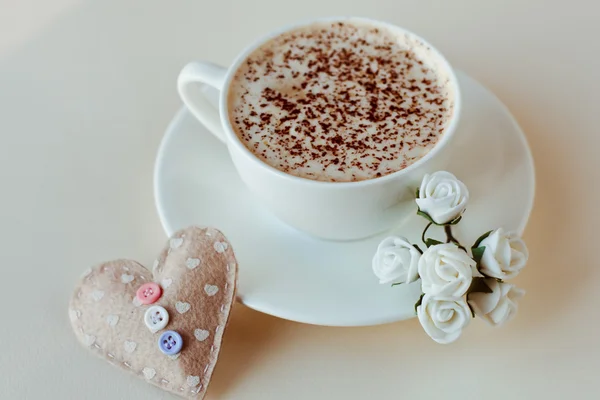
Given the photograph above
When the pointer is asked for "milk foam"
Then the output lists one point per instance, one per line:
(340, 101)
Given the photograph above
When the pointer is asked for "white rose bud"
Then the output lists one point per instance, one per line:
(505, 255)
(446, 270)
(499, 306)
(442, 196)
(443, 318)
(396, 260)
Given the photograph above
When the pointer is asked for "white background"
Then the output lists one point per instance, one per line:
(86, 91)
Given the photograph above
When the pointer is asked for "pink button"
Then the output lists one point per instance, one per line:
(148, 293)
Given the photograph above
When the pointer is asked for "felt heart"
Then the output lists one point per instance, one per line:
(192, 263)
(112, 320)
(182, 307)
(108, 316)
(201, 334)
(211, 290)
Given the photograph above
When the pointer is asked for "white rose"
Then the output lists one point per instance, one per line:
(396, 260)
(505, 255)
(446, 270)
(442, 196)
(443, 318)
(499, 306)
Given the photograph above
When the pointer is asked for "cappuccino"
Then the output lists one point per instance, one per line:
(340, 101)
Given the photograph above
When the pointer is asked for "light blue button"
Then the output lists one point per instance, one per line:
(170, 343)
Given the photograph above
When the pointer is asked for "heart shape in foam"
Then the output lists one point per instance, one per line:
(108, 318)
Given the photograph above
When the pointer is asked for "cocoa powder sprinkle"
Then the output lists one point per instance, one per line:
(339, 102)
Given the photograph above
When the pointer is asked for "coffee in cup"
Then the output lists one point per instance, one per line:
(340, 101)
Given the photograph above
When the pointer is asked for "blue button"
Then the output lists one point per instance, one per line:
(170, 343)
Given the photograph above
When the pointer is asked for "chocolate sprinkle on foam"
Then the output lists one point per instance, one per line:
(340, 102)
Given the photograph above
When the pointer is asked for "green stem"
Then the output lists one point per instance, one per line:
(418, 248)
(451, 238)
(423, 235)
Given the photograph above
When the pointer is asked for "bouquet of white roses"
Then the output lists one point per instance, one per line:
(456, 285)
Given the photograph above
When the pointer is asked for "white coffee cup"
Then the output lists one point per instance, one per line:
(330, 210)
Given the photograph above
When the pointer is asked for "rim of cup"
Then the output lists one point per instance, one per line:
(234, 140)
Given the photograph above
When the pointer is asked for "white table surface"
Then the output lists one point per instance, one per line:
(86, 91)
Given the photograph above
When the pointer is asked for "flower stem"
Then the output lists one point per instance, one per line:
(418, 248)
(424, 231)
(451, 238)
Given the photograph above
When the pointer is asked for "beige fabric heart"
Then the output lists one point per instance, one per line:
(108, 320)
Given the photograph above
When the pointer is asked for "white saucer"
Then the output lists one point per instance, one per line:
(290, 275)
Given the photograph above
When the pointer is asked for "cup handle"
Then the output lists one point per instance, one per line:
(194, 81)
